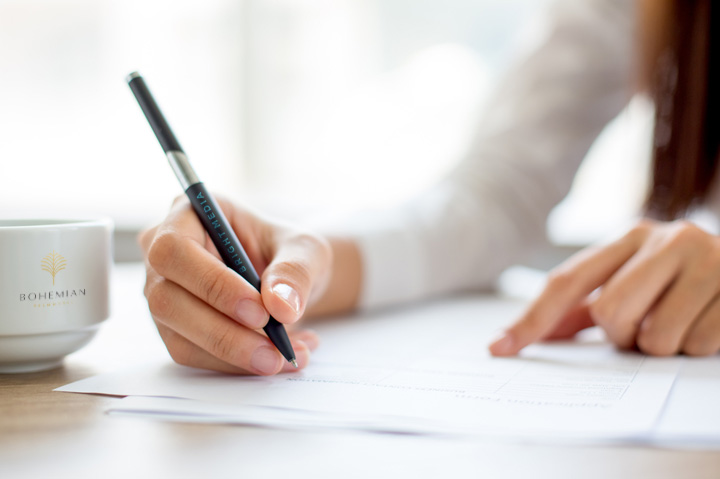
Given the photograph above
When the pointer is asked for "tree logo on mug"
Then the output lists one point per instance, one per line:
(53, 264)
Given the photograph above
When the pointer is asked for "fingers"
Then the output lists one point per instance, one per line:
(660, 285)
(575, 321)
(567, 286)
(654, 298)
(206, 313)
(307, 336)
(632, 291)
(662, 331)
(189, 354)
(299, 266)
(299, 271)
(209, 329)
(703, 337)
(208, 278)
(178, 252)
(185, 318)
(146, 237)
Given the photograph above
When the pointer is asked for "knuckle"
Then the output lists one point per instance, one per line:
(641, 229)
(712, 259)
(298, 271)
(151, 281)
(655, 345)
(602, 310)
(697, 345)
(213, 287)
(180, 354)
(604, 313)
(162, 251)
(178, 199)
(306, 238)
(147, 287)
(683, 233)
(221, 344)
(159, 301)
(145, 237)
(327, 252)
(684, 225)
(312, 245)
(312, 240)
(179, 351)
(697, 349)
(560, 279)
(323, 247)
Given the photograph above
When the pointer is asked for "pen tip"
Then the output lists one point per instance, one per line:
(294, 362)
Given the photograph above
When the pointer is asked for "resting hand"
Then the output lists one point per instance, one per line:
(657, 289)
(210, 317)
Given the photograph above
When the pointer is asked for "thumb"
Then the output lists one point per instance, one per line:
(300, 268)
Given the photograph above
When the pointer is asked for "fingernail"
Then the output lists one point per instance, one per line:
(503, 345)
(266, 360)
(289, 295)
(251, 313)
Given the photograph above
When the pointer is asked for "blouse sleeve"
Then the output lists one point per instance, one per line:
(491, 211)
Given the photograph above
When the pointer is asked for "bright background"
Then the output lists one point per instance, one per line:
(296, 107)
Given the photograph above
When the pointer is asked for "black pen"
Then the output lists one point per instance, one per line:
(208, 211)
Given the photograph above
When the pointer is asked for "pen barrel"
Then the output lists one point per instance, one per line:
(153, 114)
(233, 255)
(221, 233)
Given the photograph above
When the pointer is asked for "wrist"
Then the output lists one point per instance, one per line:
(342, 293)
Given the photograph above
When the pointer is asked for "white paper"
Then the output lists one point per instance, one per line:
(692, 415)
(188, 410)
(428, 367)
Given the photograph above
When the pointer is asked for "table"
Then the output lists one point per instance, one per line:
(50, 434)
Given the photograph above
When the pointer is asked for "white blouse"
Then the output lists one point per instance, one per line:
(491, 211)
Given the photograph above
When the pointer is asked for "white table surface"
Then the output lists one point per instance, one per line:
(50, 434)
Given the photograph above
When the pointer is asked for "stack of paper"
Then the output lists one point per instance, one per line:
(426, 370)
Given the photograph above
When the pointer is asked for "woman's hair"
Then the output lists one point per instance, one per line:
(682, 53)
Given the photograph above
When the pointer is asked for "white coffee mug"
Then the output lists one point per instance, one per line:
(54, 289)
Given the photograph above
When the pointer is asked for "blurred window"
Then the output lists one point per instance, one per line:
(296, 107)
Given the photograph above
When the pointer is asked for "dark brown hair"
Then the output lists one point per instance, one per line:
(683, 55)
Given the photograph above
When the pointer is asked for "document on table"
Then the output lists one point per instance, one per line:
(692, 416)
(421, 370)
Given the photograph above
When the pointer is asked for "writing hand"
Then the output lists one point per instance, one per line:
(208, 316)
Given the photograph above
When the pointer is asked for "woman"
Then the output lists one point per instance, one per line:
(656, 288)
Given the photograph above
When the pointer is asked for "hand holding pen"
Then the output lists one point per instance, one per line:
(210, 291)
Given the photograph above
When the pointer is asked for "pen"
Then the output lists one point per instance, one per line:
(207, 210)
